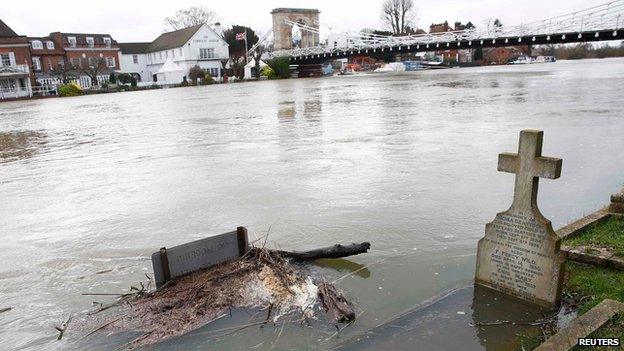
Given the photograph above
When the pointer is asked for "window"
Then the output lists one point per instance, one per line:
(180, 52)
(92, 62)
(160, 55)
(213, 72)
(72, 41)
(166, 54)
(135, 59)
(37, 45)
(61, 62)
(50, 67)
(206, 53)
(50, 45)
(36, 63)
(110, 61)
(5, 60)
(173, 53)
(107, 41)
(75, 61)
(90, 42)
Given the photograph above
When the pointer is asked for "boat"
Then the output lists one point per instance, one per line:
(522, 60)
(391, 67)
(545, 59)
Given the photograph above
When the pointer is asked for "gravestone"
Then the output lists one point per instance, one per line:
(177, 261)
(519, 254)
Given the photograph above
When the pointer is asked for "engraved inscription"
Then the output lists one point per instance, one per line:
(519, 254)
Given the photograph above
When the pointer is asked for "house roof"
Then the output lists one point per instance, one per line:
(6, 31)
(175, 39)
(134, 48)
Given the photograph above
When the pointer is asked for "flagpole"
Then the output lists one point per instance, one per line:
(246, 50)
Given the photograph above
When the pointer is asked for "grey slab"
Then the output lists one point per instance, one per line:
(196, 255)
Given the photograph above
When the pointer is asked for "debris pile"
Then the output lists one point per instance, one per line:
(261, 278)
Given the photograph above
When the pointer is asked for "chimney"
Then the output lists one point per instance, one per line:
(217, 29)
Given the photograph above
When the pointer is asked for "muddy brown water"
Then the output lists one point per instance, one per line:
(91, 186)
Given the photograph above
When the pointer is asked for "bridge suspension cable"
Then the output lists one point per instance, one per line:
(605, 17)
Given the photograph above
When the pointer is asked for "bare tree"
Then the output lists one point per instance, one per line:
(93, 68)
(63, 72)
(398, 15)
(191, 17)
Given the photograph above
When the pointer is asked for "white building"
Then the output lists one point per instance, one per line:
(199, 46)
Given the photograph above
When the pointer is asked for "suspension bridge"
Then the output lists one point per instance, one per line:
(597, 23)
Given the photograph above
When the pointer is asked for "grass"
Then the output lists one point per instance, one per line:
(614, 328)
(588, 286)
(606, 234)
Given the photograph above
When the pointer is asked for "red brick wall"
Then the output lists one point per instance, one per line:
(22, 54)
(93, 53)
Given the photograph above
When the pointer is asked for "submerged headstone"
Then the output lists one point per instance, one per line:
(519, 254)
(169, 263)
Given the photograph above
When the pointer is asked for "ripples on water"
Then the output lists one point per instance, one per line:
(90, 186)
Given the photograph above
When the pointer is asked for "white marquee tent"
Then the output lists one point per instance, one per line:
(170, 73)
(251, 65)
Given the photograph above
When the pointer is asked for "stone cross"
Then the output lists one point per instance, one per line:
(529, 165)
(519, 254)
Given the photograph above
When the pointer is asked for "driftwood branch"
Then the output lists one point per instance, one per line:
(336, 251)
(335, 304)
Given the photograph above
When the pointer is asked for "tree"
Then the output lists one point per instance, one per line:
(398, 15)
(124, 78)
(64, 73)
(469, 25)
(196, 73)
(237, 47)
(112, 79)
(281, 67)
(257, 56)
(191, 17)
(498, 23)
(92, 68)
(478, 54)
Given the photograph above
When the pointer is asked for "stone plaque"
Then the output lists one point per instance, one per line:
(180, 260)
(519, 254)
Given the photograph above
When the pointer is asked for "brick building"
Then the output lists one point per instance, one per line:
(15, 78)
(73, 56)
(502, 55)
(451, 55)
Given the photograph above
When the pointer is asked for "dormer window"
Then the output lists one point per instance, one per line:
(37, 45)
(72, 41)
(90, 42)
(50, 45)
(107, 42)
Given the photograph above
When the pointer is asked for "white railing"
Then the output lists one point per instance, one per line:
(606, 17)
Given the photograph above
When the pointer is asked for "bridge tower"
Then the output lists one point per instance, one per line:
(282, 31)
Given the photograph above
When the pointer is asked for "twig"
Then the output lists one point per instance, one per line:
(63, 327)
(266, 237)
(102, 327)
(123, 347)
(103, 294)
(278, 336)
(539, 322)
(341, 329)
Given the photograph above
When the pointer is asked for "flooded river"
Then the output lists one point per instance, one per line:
(91, 186)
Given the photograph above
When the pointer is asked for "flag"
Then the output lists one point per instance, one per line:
(240, 36)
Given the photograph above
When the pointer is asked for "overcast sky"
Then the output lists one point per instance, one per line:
(142, 20)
